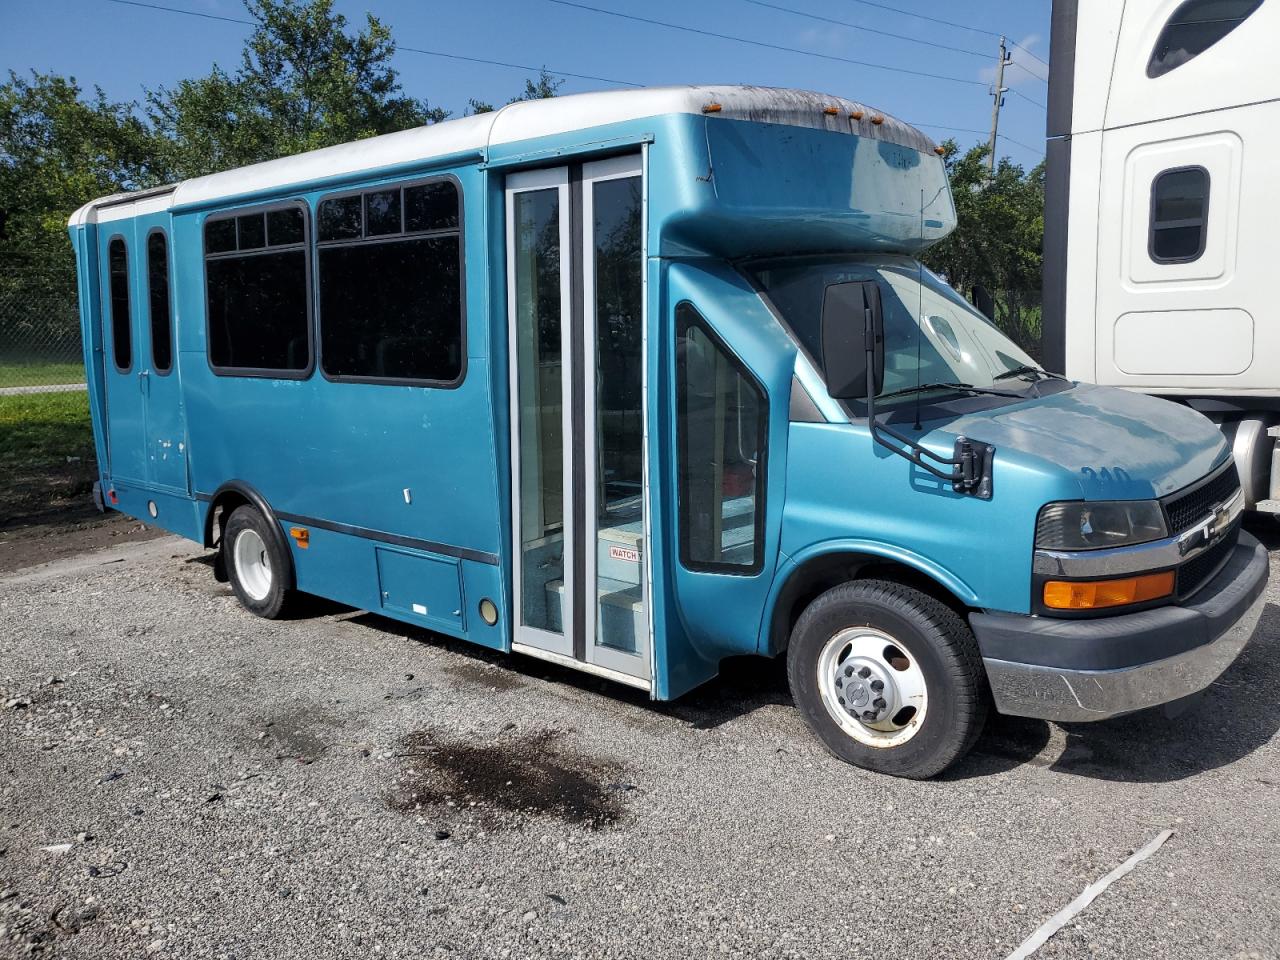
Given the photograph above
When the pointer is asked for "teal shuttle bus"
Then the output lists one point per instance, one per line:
(634, 382)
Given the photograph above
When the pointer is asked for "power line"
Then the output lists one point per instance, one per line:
(428, 53)
(946, 23)
(520, 66)
(190, 13)
(1028, 72)
(765, 45)
(1019, 93)
(864, 28)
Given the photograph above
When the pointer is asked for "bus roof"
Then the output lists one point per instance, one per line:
(523, 120)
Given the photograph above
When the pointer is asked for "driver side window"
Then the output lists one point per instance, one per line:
(721, 423)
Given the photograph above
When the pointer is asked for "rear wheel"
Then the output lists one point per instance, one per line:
(258, 567)
(889, 678)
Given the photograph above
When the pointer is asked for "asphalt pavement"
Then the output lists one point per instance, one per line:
(181, 779)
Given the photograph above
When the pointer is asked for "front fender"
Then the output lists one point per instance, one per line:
(789, 565)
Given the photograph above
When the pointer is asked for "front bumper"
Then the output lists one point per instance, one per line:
(1095, 669)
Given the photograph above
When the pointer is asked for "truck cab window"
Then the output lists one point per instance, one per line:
(721, 423)
(256, 280)
(1179, 215)
(390, 264)
(121, 339)
(1195, 27)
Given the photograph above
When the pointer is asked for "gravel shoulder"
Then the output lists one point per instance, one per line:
(181, 779)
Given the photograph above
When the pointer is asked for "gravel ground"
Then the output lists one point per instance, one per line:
(181, 779)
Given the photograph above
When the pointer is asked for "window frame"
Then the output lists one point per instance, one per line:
(762, 442)
(306, 246)
(368, 240)
(1152, 223)
(151, 324)
(1154, 71)
(109, 300)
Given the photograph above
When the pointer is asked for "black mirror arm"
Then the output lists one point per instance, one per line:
(970, 462)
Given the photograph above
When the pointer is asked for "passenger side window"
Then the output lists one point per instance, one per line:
(390, 263)
(721, 424)
(1195, 27)
(257, 290)
(1179, 215)
(158, 301)
(118, 282)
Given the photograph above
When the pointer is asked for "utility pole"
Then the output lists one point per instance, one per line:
(997, 92)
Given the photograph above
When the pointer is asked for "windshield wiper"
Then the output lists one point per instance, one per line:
(959, 387)
(1025, 370)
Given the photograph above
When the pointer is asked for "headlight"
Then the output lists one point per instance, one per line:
(1082, 525)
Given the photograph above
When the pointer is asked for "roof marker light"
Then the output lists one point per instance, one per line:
(856, 115)
(940, 151)
(831, 111)
(712, 108)
(877, 119)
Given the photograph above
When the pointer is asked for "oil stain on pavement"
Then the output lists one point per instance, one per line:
(506, 781)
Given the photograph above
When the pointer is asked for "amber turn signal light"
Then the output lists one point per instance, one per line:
(301, 536)
(1098, 594)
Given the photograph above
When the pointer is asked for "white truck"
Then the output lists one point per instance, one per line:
(1162, 204)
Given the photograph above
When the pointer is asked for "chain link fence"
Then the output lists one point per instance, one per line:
(40, 348)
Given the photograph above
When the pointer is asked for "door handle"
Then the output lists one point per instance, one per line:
(144, 382)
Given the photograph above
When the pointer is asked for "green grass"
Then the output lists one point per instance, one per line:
(43, 429)
(39, 373)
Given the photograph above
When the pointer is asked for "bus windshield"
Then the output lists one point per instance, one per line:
(932, 335)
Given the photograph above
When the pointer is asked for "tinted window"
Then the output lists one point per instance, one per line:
(1179, 215)
(721, 419)
(340, 218)
(158, 302)
(118, 267)
(251, 231)
(220, 235)
(1195, 27)
(284, 226)
(257, 296)
(431, 206)
(390, 303)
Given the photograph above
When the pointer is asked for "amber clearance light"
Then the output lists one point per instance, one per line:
(1068, 595)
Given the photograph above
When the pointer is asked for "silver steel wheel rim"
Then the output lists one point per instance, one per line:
(861, 668)
(253, 566)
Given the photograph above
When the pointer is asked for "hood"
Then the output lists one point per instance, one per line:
(1118, 445)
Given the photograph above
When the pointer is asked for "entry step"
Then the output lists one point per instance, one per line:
(1268, 506)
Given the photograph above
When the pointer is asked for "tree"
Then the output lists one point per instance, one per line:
(58, 149)
(997, 246)
(305, 81)
(544, 88)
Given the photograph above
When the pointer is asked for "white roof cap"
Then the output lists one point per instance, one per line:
(527, 120)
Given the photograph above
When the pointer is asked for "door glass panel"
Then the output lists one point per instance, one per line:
(619, 466)
(720, 439)
(536, 226)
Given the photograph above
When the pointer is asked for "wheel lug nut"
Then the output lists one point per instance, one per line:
(864, 672)
(839, 682)
(868, 714)
(848, 671)
(841, 699)
(879, 703)
(877, 685)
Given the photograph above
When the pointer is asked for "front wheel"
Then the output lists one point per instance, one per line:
(889, 678)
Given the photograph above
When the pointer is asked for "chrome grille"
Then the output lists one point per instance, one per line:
(1188, 507)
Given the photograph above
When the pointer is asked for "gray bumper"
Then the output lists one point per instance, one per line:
(1225, 613)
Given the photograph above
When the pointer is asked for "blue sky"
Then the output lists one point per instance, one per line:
(125, 49)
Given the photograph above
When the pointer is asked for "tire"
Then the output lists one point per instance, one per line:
(932, 698)
(258, 567)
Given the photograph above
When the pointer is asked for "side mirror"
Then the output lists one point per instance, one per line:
(853, 339)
